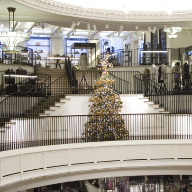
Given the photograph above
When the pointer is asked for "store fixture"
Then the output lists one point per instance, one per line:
(41, 49)
(24, 57)
(80, 46)
(11, 39)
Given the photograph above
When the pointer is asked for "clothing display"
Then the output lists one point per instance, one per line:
(154, 72)
(176, 75)
(186, 71)
(9, 79)
(83, 61)
(21, 71)
(146, 78)
(160, 75)
(164, 71)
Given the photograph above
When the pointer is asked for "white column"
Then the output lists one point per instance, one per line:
(57, 46)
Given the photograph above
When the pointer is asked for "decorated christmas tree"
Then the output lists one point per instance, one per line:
(105, 122)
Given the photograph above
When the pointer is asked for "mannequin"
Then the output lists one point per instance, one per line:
(146, 76)
(160, 76)
(154, 72)
(186, 75)
(176, 75)
(83, 61)
(164, 74)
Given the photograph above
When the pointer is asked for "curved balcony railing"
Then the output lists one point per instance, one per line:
(41, 131)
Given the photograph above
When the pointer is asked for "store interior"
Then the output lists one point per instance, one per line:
(51, 57)
(153, 183)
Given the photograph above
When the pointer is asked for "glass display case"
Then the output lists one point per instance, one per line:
(41, 49)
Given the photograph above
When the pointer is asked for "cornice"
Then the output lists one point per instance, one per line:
(29, 14)
(58, 8)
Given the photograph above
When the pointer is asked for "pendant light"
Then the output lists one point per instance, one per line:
(11, 38)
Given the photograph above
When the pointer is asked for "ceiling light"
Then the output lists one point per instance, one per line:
(78, 23)
(153, 51)
(11, 39)
(136, 27)
(88, 27)
(173, 30)
(1, 24)
(120, 30)
(94, 27)
(107, 26)
(154, 29)
(73, 25)
(149, 29)
(19, 22)
(172, 36)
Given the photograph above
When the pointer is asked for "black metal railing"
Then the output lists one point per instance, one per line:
(17, 104)
(146, 85)
(127, 82)
(120, 85)
(41, 131)
(174, 95)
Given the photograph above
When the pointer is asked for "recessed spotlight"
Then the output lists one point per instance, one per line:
(120, 30)
(154, 29)
(73, 25)
(94, 27)
(19, 22)
(149, 29)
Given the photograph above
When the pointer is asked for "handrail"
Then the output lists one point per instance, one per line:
(117, 77)
(50, 130)
(148, 83)
(18, 105)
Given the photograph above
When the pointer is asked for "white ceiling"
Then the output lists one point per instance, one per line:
(51, 19)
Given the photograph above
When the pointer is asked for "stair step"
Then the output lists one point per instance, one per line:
(144, 98)
(161, 109)
(155, 106)
(164, 111)
(59, 103)
(64, 100)
(149, 102)
(140, 96)
(43, 114)
(48, 111)
(54, 107)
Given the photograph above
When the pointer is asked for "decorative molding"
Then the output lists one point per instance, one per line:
(98, 14)
(37, 166)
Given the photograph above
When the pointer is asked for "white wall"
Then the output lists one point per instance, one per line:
(98, 50)
(57, 46)
(78, 105)
(182, 40)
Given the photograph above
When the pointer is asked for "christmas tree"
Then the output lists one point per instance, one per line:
(105, 123)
